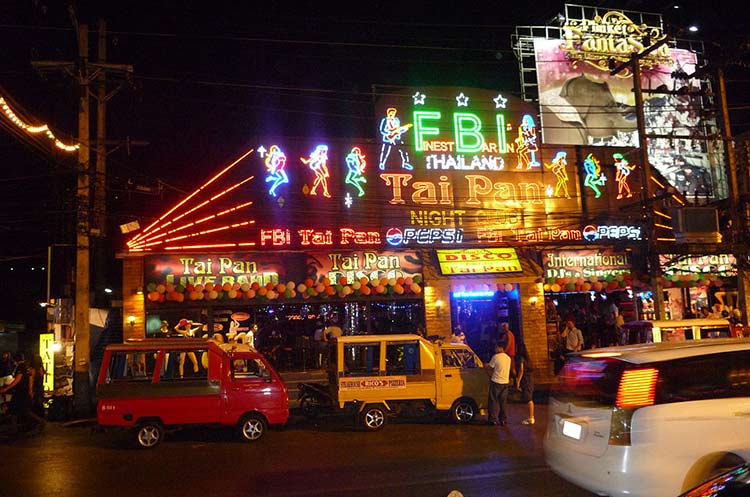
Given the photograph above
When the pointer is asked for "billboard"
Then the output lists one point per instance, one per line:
(582, 104)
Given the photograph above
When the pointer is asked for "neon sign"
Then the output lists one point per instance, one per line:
(283, 237)
(478, 261)
(480, 189)
(623, 171)
(558, 169)
(613, 35)
(318, 163)
(594, 177)
(391, 132)
(526, 144)
(405, 236)
(593, 233)
(355, 165)
(275, 162)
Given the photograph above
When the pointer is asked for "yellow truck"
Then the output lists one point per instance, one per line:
(377, 376)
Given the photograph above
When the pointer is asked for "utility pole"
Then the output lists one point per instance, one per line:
(737, 210)
(89, 222)
(646, 194)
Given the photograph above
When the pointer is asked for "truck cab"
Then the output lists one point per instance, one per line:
(150, 384)
(383, 375)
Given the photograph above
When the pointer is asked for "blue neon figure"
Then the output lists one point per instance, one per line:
(275, 163)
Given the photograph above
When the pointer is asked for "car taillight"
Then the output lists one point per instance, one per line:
(637, 388)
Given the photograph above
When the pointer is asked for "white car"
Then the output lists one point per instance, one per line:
(651, 420)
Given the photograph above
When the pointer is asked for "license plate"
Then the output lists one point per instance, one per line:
(572, 430)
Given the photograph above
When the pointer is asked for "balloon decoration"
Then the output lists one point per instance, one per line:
(616, 282)
(608, 283)
(324, 288)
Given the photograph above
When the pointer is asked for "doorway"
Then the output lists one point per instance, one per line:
(480, 314)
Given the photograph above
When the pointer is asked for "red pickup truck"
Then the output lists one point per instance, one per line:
(150, 384)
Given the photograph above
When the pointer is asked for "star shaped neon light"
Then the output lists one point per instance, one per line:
(500, 101)
(419, 98)
(262, 151)
(462, 100)
(348, 200)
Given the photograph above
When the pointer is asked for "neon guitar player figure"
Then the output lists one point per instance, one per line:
(392, 130)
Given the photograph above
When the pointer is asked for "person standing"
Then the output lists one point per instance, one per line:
(572, 338)
(36, 391)
(499, 370)
(525, 382)
(508, 339)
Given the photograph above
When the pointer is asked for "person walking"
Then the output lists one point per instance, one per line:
(499, 370)
(525, 382)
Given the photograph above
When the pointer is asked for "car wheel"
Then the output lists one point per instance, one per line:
(252, 427)
(373, 417)
(149, 434)
(463, 411)
(310, 406)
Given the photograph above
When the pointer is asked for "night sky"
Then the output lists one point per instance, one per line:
(211, 76)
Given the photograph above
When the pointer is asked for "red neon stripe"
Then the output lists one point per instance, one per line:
(146, 231)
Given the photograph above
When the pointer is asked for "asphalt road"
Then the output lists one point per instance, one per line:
(426, 458)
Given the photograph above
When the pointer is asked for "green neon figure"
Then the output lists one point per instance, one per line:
(594, 177)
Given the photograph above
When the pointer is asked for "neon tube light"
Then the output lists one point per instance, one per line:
(201, 188)
(473, 295)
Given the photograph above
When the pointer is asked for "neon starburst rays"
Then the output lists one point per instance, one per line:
(203, 216)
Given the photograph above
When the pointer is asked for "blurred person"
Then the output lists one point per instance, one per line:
(525, 381)
(20, 389)
(36, 391)
(458, 335)
(572, 338)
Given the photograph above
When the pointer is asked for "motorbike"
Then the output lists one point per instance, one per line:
(314, 399)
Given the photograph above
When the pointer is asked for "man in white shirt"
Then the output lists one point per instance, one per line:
(499, 370)
(573, 338)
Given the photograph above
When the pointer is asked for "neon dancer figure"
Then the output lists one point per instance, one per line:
(275, 163)
(355, 164)
(558, 168)
(318, 163)
(594, 177)
(623, 171)
(526, 144)
(392, 130)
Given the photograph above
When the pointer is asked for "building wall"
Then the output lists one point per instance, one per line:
(132, 302)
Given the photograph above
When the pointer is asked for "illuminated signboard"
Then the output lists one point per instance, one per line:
(585, 263)
(714, 264)
(478, 261)
(582, 104)
(166, 274)
(449, 168)
(47, 353)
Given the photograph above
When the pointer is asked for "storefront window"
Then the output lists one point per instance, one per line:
(395, 317)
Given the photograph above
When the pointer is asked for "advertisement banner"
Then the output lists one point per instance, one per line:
(582, 104)
(585, 263)
(478, 261)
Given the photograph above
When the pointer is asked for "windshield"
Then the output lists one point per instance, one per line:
(590, 382)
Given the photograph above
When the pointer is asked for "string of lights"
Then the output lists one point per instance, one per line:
(35, 130)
